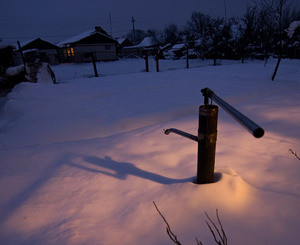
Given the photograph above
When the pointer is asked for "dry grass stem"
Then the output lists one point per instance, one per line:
(295, 154)
(217, 232)
(220, 231)
(172, 236)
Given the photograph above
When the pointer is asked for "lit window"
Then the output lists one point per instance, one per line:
(70, 52)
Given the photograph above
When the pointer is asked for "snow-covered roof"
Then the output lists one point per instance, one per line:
(178, 46)
(121, 40)
(293, 26)
(81, 36)
(30, 50)
(147, 42)
(24, 43)
(167, 46)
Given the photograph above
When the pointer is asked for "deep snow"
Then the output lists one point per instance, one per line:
(83, 160)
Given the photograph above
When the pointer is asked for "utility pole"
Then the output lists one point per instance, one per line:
(110, 24)
(133, 29)
(225, 9)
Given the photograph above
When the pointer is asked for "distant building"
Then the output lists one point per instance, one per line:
(81, 47)
(47, 51)
(148, 43)
(6, 56)
(123, 42)
(178, 50)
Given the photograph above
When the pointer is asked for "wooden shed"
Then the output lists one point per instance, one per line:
(48, 52)
(123, 42)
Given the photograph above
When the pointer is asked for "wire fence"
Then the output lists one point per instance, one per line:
(123, 66)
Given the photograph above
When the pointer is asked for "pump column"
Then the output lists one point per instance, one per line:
(207, 138)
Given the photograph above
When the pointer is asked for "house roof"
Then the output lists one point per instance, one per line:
(37, 43)
(24, 43)
(178, 46)
(147, 42)
(5, 45)
(121, 40)
(292, 28)
(125, 42)
(81, 36)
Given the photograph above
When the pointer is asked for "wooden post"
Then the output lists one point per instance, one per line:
(23, 59)
(94, 64)
(156, 60)
(187, 56)
(146, 60)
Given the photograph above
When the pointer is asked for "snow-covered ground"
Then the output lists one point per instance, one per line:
(83, 160)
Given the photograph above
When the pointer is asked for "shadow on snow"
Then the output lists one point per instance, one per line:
(121, 170)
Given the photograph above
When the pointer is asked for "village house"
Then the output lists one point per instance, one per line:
(46, 51)
(82, 47)
(148, 43)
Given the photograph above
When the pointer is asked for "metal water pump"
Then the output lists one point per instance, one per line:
(207, 133)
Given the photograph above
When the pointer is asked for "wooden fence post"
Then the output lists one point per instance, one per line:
(156, 59)
(94, 64)
(146, 60)
(187, 56)
(22, 56)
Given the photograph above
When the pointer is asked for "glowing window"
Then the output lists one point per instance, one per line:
(70, 52)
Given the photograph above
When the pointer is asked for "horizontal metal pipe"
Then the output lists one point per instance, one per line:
(248, 124)
(181, 133)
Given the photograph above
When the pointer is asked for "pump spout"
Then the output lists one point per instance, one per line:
(181, 133)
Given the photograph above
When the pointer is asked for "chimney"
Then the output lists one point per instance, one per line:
(98, 29)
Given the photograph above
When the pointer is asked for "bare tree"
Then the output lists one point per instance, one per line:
(196, 32)
(215, 33)
(277, 10)
(171, 34)
(279, 7)
(247, 29)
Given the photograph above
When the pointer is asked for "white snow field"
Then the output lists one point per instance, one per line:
(83, 160)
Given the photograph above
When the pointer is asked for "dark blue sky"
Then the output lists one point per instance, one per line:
(56, 20)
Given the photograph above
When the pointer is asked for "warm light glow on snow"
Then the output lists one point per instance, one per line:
(83, 160)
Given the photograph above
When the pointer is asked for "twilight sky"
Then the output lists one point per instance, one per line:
(57, 20)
